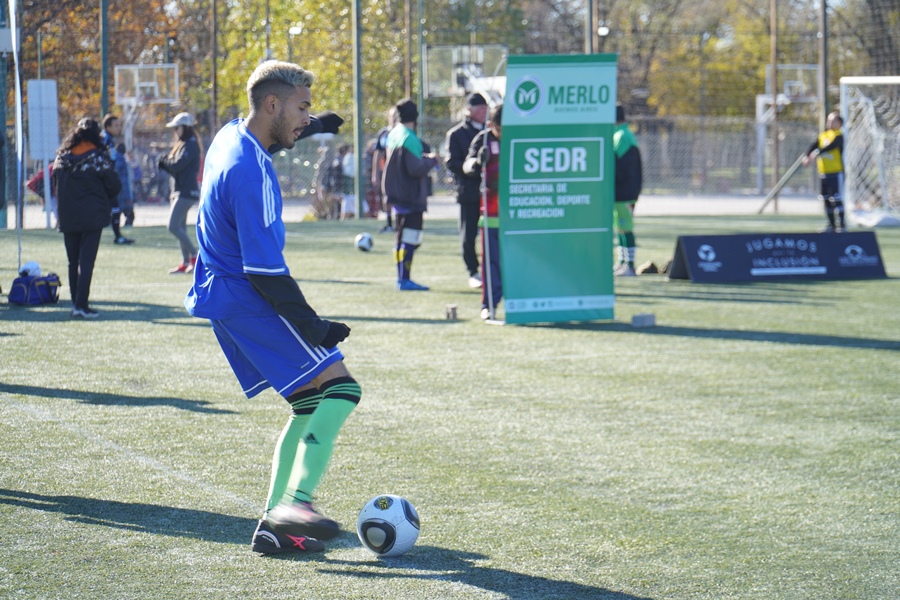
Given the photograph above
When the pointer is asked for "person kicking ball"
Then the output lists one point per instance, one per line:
(270, 335)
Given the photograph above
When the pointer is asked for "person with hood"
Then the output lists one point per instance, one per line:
(87, 186)
(406, 186)
(183, 164)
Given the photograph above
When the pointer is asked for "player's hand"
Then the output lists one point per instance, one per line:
(337, 333)
(331, 122)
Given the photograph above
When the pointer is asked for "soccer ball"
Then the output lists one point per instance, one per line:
(388, 525)
(364, 241)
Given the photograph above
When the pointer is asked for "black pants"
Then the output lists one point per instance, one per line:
(468, 233)
(81, 249)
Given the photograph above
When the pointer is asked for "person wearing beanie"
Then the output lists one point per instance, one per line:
(629, 178)
(405, 185)
(468, 193)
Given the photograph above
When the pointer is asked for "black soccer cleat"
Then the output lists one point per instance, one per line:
(271, 540)
(301, 519)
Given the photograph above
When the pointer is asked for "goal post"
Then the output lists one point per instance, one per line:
(870, 107)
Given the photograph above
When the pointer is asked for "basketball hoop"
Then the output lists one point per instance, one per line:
(141, 85)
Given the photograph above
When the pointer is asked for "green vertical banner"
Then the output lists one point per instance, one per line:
(556, 188)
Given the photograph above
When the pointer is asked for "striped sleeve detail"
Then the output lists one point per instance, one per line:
(268, 187)
(261, 271)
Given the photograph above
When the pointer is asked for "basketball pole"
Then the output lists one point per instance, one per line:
(781, 182)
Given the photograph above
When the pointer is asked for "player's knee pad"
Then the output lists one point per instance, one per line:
(412, 237)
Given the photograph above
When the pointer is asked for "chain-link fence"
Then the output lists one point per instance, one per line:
(681, 156)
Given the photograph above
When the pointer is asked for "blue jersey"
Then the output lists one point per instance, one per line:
(239, 227)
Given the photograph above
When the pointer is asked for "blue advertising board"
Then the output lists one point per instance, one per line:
(771, 256)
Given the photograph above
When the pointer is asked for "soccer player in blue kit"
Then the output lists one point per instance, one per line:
(268, 332)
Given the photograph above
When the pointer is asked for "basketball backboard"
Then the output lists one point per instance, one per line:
(146, 84)
(798, 82)
(454, 71)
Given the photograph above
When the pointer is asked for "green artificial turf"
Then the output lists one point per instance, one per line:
(744, 447)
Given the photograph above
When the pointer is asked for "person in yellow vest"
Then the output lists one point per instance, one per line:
(827, 150)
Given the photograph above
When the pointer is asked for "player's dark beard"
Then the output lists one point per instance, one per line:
(283, 138)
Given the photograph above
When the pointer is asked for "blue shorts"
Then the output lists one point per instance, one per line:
(269, 351)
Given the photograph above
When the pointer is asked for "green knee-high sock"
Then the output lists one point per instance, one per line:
(629, 247)
(620, 239)
(303, 404)
(339, 397)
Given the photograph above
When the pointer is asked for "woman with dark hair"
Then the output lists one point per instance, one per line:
(86, 187)
(183, 164)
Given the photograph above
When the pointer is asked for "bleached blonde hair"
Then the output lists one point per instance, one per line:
(278, 78)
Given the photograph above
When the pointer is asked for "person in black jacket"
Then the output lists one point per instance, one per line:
(183, 163)
(629, 179)
(468, 193)
(86, 185)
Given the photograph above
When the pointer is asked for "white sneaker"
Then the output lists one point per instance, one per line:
(485, 314)
(84, 313)
(624, 270)
(475, 281)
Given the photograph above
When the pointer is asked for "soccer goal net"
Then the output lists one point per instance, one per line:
(871, 110)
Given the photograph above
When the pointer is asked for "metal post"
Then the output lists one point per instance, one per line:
(589, 27)
(104, 58)
(359, 185)
(823, 64)
(407, 56)
(773, 56)
(4, 22)
(214, 34)
(268, 33)
(420, 14)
